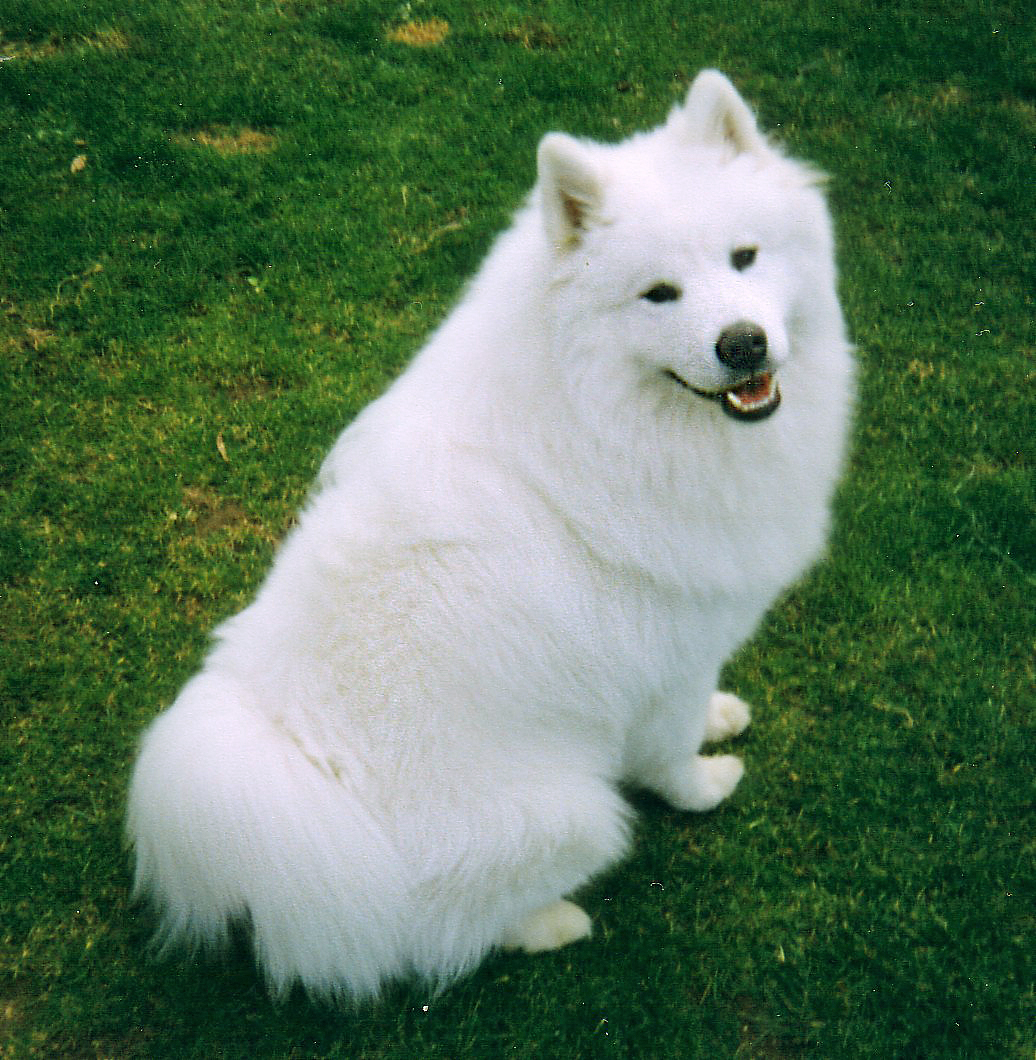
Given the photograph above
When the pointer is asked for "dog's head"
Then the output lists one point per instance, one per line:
(692, 256)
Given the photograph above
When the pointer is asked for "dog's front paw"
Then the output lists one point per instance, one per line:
(702, 782)
(727, 716)
(549, 928)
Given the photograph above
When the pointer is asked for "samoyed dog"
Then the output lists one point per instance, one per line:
(518, 576)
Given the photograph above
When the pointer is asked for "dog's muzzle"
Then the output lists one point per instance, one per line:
(742, 348)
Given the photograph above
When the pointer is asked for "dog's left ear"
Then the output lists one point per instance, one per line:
(571, 189)
(716, 115)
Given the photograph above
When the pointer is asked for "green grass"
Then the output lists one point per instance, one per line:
(273, 203)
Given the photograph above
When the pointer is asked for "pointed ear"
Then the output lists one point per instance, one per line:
(571, 189)
(716, 115)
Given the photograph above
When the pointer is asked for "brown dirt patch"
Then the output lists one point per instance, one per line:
(533, 34)
(209, 512)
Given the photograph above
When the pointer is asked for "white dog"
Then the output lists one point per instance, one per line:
(518, 576)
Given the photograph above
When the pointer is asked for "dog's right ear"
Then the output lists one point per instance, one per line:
(715, 114)
(571, 189)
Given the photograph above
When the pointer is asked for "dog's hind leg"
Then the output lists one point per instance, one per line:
(540, 840)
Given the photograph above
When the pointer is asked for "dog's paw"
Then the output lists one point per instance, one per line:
(549, 928)
(727, 716)
(702, 782)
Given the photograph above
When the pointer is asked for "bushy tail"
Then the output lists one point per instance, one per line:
(229, 819)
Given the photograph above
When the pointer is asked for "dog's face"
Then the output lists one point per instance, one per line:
(686, 257)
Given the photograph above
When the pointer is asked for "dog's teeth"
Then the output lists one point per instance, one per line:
(751, 395)
(754, 400)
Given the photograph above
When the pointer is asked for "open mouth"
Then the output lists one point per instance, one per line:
(752, 399)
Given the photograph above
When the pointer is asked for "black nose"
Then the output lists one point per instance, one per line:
(742, 346)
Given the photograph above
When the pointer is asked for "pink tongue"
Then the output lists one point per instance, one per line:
(754, 390)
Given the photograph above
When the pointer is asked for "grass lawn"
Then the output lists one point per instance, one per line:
(224, 227)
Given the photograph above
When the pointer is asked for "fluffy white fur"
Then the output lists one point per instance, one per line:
(516, 580)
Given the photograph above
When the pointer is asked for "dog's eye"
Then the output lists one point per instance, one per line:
(662, 292)
(743, 257)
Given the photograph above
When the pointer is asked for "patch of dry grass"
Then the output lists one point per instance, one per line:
(426, 33)
(228, 141)
(108, 40)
